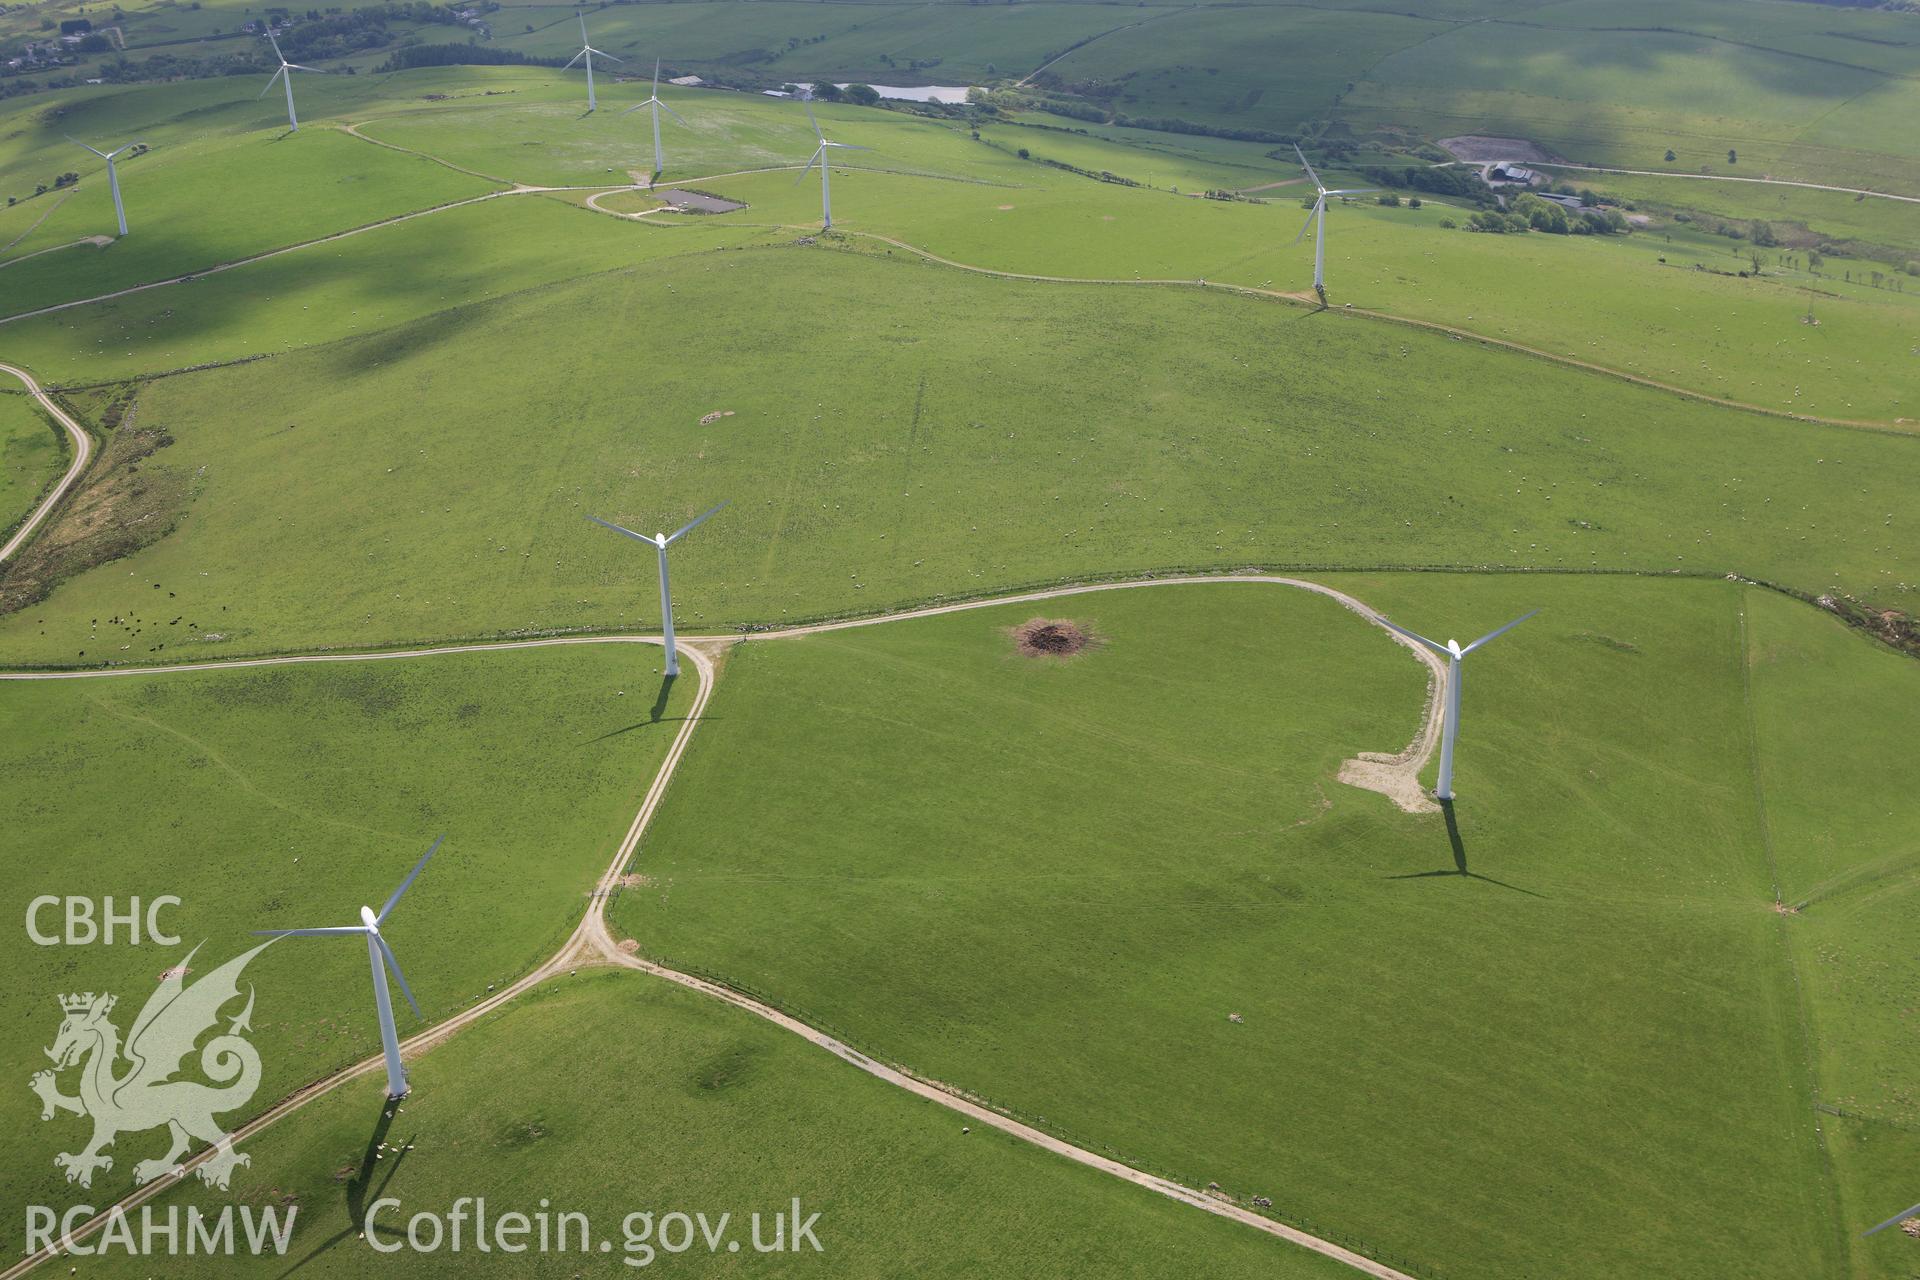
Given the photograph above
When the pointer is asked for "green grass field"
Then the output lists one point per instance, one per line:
(1067, 875)
(32, 456)
(1839, 795)
(1644, 1010)
(697, 1108)
(1259, 434)
(415, 273)
(289, 797)
(276, 190)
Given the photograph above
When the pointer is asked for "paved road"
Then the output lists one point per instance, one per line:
(592, 943)
(82, 450)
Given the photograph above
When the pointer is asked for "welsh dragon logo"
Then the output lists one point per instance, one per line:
(131, 1088)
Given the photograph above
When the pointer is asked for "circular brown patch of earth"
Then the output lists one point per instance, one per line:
(1050, 638)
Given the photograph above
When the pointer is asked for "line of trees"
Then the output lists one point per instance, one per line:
(459, 55)
(1530, 213)
(1460, 184)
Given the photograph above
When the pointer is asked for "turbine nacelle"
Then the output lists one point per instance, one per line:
(381, 957)
(1454, 652)
(660, 542)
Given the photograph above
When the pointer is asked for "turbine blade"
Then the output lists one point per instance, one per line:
(310, 933)
(294, 66)
(583, 26)
(1355, 191)
(848, 146)
(575, 58)
(635, 107)
(817, 153)
(275, 44)
(1898, 1217)
(1390, 625)
(620, 528)
(125, 146)
(807, 102)
(675, 114)
(386, 953)
(1498, 631)
(656, 77)
(418, 867)
(1311, 214)
(272, 79)
(76, 142)
(603, 53)
(1309, 168)
(688, 527)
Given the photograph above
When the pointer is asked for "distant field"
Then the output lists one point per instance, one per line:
(551, 142)
(32, 453)
(650, 1099)
(1258, 434)
(1670, 306)
(1255, 66)
(289, 797)
(886, 43)
(1834, 215)
(1051, 883)
(1801, 91)
(272, 190)
(402, 275)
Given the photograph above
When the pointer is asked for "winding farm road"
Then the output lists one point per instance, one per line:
(82, 450)
(1721, 177)
(592, 943)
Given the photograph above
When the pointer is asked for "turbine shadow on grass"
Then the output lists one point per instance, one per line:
(1460, 859)
(640, 724)
(359, 1185)
(660, 703)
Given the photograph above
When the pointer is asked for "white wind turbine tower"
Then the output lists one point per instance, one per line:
(113, 177)
(820, 156)
(1319, 216)
(1453, 651)
(659, 160)
(660, 542)
(377, 952)
(285, 73)
(587, 51)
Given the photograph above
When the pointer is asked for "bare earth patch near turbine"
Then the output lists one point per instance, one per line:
(1051, 638)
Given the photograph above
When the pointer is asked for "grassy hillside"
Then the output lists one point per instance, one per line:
(289, 797)
(1839, 797)
(32, 456)
(277, 189)
(878, 468)
(1051, 883)
(698, 1108)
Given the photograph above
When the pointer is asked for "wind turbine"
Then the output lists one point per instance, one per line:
(285, 73)
(377, 952)
(660, 542)
(587, 51)
(820, 155)
(113, 176)
(1319, 215)
(659, 161)
(1453, 651)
